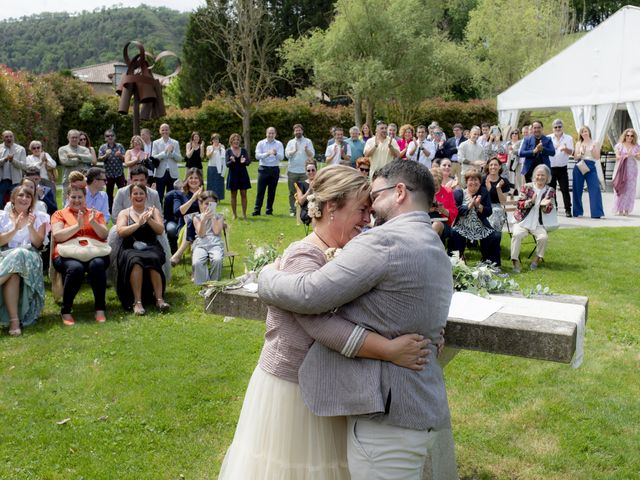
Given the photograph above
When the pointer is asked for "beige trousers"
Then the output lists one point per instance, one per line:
(520, 233)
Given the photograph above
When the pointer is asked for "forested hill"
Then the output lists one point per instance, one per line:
(55, 41)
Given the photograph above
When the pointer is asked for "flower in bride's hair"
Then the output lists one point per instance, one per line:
(313, 209)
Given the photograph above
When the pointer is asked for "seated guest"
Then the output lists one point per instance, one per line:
(304, 189)
(497, 186)
(43, 162)
(44, 193)
(30, 185)
(535, 199)
(449, 181)
(185, 203)
(96, 196)
(141, 257)
(22, 232)
(208, 247)
(74, 221)
(444, 206)
(474, 210)
(363, 165)
(137, 174)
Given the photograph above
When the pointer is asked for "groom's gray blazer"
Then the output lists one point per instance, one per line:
(393, 279)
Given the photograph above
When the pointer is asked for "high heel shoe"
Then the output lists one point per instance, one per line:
(162, 305)
(138, 309)
(14, 327)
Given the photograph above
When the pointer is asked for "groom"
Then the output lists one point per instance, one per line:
(396, 271)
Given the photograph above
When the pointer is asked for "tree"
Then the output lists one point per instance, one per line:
(248, 42)
(590, 13)
(507, 50)
(380, 50)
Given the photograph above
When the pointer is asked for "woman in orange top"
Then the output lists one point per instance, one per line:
(76, 220)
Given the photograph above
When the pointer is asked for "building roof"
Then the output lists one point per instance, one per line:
(99, 73)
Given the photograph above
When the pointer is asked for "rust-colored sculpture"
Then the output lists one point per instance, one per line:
(140, 84)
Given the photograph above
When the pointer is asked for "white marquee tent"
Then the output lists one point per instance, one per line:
(597, 78)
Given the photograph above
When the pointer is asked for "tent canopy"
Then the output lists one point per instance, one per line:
(593, 77)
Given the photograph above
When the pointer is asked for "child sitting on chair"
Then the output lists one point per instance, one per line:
(208, 247)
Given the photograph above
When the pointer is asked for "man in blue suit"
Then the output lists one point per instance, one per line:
(536, 150)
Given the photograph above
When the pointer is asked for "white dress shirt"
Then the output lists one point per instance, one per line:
(264, 155)
(560, 159)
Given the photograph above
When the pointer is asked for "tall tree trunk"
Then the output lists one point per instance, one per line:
(357, 110)
(246, 129)
(370, 106)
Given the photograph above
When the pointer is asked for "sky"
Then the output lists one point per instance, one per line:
(16, 9)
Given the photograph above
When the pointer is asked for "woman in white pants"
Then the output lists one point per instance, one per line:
(535, 199)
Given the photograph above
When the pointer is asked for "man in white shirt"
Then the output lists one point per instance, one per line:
(486, 132)
(339, 153)
(167, 151)
(269, 152)
(563, 144)
(471, 153)
(420, 149)
(13, 159)
(299, 150)
(381, 149)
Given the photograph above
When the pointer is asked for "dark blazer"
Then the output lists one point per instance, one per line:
(49, 199)
(526, 151)
(450, 148)
(485, 200)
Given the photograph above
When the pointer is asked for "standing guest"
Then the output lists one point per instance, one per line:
(299, 150)
(185, 204)
(497, 185)
(421, 150)
(439, 143)
(589, 151)
(392, 131)
(237, 160)
(444, 206)
(471, 153)
(513, 155)
(43, 192)
(406, 137)
(625, 175)
(485, 129)
(365, 133)
(466, 133)
(536, 150)
(304, 189)
(22, 233)
(339, 153)
(140, 259)
(472, 223)
(446, 168)
(112, 154)
(136, 154)
(535, 198)
(451, 149)
(43, 162)
(73, 157)
(563, 144)
(432, 127)
(269, 152)
(167, 151)
(208, 247)
(96, 197)
(145, 134)
(363, 166)
(137, 174)
(216, 166)
(85, 141)
(13, 159)
(76, 220)
(332, 135)
(194, 152)
(356, 144)
(381, 149)
(495, 146)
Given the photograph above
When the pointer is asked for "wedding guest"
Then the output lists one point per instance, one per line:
(216, 166)
(43, 162)
(363, 166)
(356, 143)
(237, 159)
(494, 147)
(145, 134)
(299, 149)
(22, 233)
(185, 204)
(208, 247)
(535, 198)
(439, 143)
(406, 137)
(269, 152)
(536, 150)
(112, 154)
(514, 162)
(141, 257)
(563, 144)
(194, 152)
(392, 131)
(13, 158)
(136, 154)
(339, 152)
(167, 151)
(443, 207)
(471, 153)
(304, 189)
(85, 141)
(381, 149)
(43, 193)
(625, 175)
(497, 185)
(137, 174)
(96, 197)
(588, 151)
(365, 132)
(420, 149)
(73, 221)
(451, 149)
(449, 181)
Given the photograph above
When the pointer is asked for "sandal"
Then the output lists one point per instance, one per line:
(138, 309)
(67, 319)
(15, 331)
(162, 305)
(100, 316)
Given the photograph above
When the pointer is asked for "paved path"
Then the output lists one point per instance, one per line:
(609, 220)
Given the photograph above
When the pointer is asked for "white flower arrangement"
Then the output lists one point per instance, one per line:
(313, 209)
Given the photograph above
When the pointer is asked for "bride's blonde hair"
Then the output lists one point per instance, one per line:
(335, 183)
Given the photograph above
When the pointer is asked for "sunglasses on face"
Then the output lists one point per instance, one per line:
(558, 127)
(35, 148)
(365, 170)
(108, 136)
(311, 169)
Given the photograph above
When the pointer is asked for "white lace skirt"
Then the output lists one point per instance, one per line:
(278, 438)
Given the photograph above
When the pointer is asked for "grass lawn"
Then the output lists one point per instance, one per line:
(158, 397)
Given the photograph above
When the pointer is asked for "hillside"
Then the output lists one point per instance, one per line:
(55, 41)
